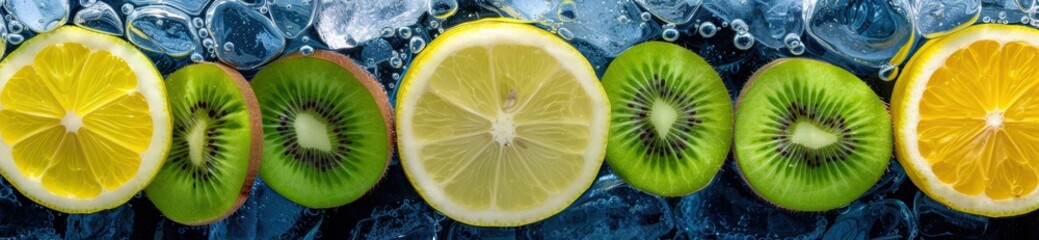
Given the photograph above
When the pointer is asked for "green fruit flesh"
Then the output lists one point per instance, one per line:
(325, 138)
(671, 119)
(810, 136)
(209, 160)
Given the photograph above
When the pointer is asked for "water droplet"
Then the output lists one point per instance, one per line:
(567, 11)
(306, 50)
(888, 72)
(707, 30)
(15, 38)
(404, 32)
(15, 27)
(416, 44)
(228, 47)
(739, 26)
(395, 62)
(196, 57)
(670, 34)
(127, 8)
(743, 41)
(565, 34)
(645, 16)
(442, 9)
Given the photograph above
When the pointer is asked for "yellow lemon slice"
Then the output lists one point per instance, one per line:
(501, 124)
(966, 116)
(84, 122)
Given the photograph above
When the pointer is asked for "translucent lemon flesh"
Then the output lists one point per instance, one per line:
(77, 124)
(502, 132)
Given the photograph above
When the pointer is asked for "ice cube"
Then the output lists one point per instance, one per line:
(937, 220)
(344, 24)
(39, 15)
(610, 209)
(21, 218)
(409, 220)
(293, 17)
(870, 33)
(194, 7)
(244, 38)
(726, 209)
(99, 17)
(767, 22)
(884, 219)
(677, 12)
(521, 9)
(116, 223)
(163, 29)
(935, 18)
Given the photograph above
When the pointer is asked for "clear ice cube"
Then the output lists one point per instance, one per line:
(935, 18)
(677, 12)
(116, 223)
(409, 220)
(244, 38)
(344, 24)
(937, 220)
(194, 7)
(871, 33)
(99, 17)
(161, 28)
(39, 15)
(767, 22)
(293, 17)
(884, 219)
(610, 209)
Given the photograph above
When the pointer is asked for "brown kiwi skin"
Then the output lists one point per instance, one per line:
(374, 88)
(256, 145)
(736, 106)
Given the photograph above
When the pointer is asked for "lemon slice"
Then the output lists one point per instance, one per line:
(966, 115)
(84, 122)
(501, 123)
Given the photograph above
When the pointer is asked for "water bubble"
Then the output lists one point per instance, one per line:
(82, 3)
(566, 34)
(305, 39)
(203, 33)
(196, 57)
(15, 38)
(228, 47)
(793, 42)
(396, 62)
(567, 11)
(404, 32)
(725, 24)
(207, 43)
(623, 19)
(127, 8)
(306, 50)
(434, 24)
(416, 44)
(645, 16)
(888, 72)
(739, 26)
(743, 41)
(198, 22)
(670, 34)
(707, 30)
(442, 9)
(15, 27)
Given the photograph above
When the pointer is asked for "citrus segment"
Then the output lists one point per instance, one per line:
(966, 117)
(501, 124)
(84, 120)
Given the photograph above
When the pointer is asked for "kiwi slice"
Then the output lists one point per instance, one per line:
(810, 136)
(671, 119)
(327, 129)
(216, 145)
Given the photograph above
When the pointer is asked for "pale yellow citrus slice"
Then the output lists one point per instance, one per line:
(966, 115)
(84, 122)
(501, 123)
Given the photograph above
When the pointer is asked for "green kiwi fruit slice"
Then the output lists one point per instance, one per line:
(671, 119)
(216, 147)
(327, 129)
(810, 136)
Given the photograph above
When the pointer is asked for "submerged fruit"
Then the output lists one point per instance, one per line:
(810, 136)
(84, 120)
(671, 119)
(217, 142)
(966, 119)
(326, 126)
(501, 123)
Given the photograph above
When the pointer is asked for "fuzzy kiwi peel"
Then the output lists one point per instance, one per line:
(328, 129)
(217, 145)
(671, 119)
(810, 136)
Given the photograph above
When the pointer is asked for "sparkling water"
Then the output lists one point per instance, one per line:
(871, 38)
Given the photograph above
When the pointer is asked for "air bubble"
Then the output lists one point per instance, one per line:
(567, 11)
(888, 72)
(739, 26)
(15, 38)
(83, 3)
(198, 22)
(196, 57)
(203, 33)
(793, 42)
(404, 32)
(306, 50)
(743, 41)
(645, 16)
(707, 30)
(442, 9)
(207, 43)
(228, 47)
(305, 39)
(127, 8)
(670, 34)
(416, 44)
(15, 26)
(387, 32)
(566, 34)
(433, 24)
(395, 62)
